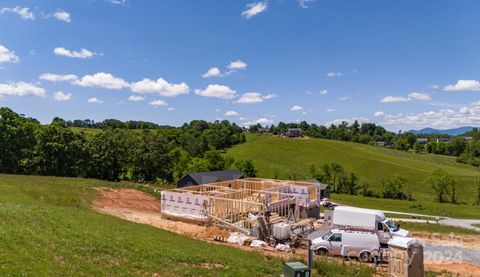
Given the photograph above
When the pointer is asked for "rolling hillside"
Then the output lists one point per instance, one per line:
(284, 158)
(48, 229)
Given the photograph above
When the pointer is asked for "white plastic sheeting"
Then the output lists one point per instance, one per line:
(237, 238)
(283, 247)
(258, 243)
(185, 205)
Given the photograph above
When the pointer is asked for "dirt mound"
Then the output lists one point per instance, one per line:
(127, 198)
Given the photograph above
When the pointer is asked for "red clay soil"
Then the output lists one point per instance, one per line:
(128, 199)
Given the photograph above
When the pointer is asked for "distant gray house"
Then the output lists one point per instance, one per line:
(200, 178)
(264, 130)
(422, 140)
(294, 133)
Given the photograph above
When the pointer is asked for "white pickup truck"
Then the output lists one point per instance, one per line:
(352, 218)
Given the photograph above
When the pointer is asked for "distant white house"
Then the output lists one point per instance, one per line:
(469, 139)
(380, 143)
(444, 140)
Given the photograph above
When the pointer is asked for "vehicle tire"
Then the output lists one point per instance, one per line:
(365, 257)
(322, 252)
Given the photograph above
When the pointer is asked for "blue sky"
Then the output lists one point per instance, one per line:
(402, 64)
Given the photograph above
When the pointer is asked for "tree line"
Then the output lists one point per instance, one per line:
(147, 155)
(393, 186)
(342, 181)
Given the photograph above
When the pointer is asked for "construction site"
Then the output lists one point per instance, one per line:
(246, 205)
(284, 218)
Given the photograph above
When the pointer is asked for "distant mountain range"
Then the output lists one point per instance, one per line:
(450, 132)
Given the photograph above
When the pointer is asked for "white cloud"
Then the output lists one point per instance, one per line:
(94, 100)
(24, 13)
(253, 9)
(394, 99)
(308, 92)
(136, 98)
(20, 89)
(434, 86)
(101, 80)
(119, 2)
(443, 118)
(304, 3)
(237, 65)
(82, 54)
(296, 108)
(160, 86)
(57, 78)
(250, 98)
(269, 96)
(61, 96)
(262, 121)
(334, 74)
(8, 56)
(464, 85)
(348, 120)
(379, 113)
(345, 98)
(331, 110)
(232, 114)
(323, 92)
(420, 96)
(158, 103)
(171, 109)
(212, 72)
(217, 91)
(62, 16)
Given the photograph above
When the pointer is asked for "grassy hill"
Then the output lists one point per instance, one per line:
(290, 158)
(48, 229)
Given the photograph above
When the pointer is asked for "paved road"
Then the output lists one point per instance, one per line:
(456, 222)
(442, 254)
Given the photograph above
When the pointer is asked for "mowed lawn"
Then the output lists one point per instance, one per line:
(290, 158)
(48, 229)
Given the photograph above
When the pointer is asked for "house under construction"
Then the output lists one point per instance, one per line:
(236, 203)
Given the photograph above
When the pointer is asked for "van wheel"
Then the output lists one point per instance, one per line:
(365, 257)
(322, 252)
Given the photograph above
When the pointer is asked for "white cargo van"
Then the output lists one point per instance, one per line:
(353, 218)
(362, 245)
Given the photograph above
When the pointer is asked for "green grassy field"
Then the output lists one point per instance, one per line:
(284, 158)
(436, 228)
(48, 229)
